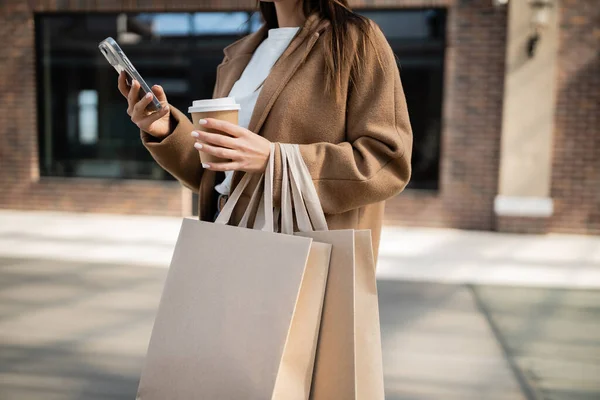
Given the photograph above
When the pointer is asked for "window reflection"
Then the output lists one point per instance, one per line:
(171, 24)
(220, 23)
(88, 117)
(200, 23)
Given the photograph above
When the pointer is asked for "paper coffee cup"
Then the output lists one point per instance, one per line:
(225, 109)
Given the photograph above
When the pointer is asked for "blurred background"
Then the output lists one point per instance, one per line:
(490, 260)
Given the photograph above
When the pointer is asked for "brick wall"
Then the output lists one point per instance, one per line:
(576, 164)
(474, 83)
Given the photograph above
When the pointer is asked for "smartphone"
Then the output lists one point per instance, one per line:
(117, 58)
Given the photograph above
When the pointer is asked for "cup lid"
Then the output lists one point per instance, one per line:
(222, 104)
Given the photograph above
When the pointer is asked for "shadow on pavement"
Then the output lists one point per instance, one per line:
(74, 331)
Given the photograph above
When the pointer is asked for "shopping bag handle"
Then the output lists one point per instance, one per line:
(297, 187)
(265, 205)
(311, 198)
(287, 219)
(298, 209)
(306, 204)
(264, 199)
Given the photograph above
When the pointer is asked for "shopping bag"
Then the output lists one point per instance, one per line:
(349, 358)
(240, 310)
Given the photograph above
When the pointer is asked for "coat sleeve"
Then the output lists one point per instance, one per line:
(374, 163)
(175, 152)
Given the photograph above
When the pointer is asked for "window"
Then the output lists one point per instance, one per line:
(83, 127)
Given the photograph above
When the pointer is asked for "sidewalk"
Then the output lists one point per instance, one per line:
(408, 254)
(459, 316)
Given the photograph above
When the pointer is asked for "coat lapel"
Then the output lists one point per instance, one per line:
(283, 70)
(228, 73)
(238, 55)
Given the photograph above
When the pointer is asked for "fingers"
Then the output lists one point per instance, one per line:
(140, 107)
(123, 88)
(220, 152)
(215, 139)
(224, 126)
(223, 167)
(132, 96)
(159, 93)
(145, 122)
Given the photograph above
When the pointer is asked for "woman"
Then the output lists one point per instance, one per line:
(316, 74)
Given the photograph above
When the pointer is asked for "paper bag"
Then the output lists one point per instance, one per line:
(240, 311)
(349, 358)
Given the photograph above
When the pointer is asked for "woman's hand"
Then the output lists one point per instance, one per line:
(247, 151)
(157, 123)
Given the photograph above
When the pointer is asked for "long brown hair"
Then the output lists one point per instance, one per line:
(344, 49)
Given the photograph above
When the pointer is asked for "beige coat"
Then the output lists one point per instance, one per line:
(357, 148)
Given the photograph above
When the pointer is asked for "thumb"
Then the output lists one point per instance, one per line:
(159, 93)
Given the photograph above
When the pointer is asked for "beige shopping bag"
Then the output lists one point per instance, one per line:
(240, 311)
(349, 358)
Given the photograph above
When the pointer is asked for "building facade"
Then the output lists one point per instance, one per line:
(507, 134)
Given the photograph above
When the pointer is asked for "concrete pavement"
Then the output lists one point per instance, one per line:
(414, 254)
(72, 330)
(78, 294)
